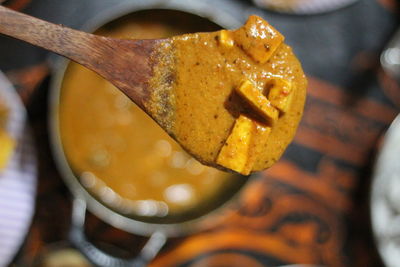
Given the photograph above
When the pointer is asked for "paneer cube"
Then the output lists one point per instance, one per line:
(258, 101)
(225, 39)
(258, 39)
(235, 152)
(244, 145)
(280, 93)
(6, 148)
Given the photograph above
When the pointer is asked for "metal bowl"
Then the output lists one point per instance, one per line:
(223, 13)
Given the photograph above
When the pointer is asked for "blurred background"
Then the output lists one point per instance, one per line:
(312, 207)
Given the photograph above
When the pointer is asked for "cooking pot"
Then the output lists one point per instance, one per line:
(227, 14)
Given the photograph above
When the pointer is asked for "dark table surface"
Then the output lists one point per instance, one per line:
(312, 206)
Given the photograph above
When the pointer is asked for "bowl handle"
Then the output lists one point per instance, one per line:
(78, 239)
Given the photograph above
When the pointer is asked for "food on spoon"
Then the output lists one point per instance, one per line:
(212, 79)
(6, 141)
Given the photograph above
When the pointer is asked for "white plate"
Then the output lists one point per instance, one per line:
(385, 197)
(303, 7)
(17, 180)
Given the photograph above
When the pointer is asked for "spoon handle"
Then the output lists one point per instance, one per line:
(125, 63)
(64, 41)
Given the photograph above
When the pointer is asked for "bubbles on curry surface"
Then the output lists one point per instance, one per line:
(194, 167)
(99, 158)
(163, 148)
(180, 194)
(178, 159)
(88, 180)
(175, 194)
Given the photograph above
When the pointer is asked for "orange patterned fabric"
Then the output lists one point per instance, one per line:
(311, 207)
(16, 4)
(290, 214)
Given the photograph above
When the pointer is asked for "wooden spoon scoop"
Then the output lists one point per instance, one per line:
(232, 99)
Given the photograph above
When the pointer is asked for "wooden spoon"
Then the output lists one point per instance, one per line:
(191, 84)
(128, 64)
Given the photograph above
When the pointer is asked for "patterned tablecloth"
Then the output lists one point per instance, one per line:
(312, 206)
